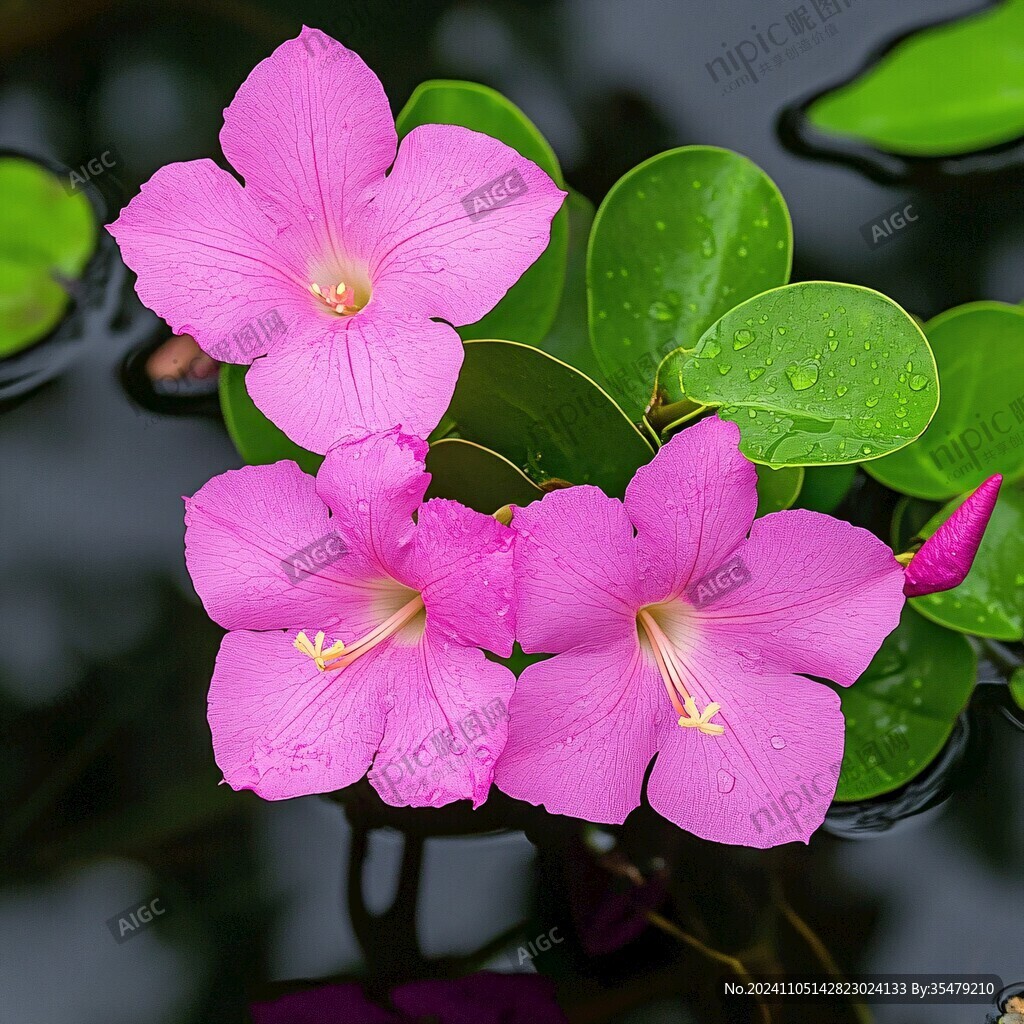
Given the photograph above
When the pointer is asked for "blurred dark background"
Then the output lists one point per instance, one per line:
(110, 795)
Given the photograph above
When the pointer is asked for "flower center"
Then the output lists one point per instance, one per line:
(339, 298)
(672, 676)
(338, 655)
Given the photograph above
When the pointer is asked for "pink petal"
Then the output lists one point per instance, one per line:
(576, 578)
(692, 505)
(357, 375)
(283, 728)
(769, 778)
(432, 256)
(373, 486)
(463, 567)
(252, 534)
(208, 262)
(310, 130)
(583, 729)
(447, 722)
(821, 597)
(946, 557)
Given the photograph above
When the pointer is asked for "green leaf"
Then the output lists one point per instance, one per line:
(1017, 688)
(45, 234)
(678, 241)
(777, 489)
(477, 477)
(545, 417)
(258, 441)
(990, 601)
(949, 89)
(979, 427)
(816, 374)
(569, 338)
(909, 518)
(528, 308)
(900, 713)
(825, 487)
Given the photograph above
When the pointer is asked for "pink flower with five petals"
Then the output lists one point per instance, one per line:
(354, 631)
(683, 628)
(359, 267)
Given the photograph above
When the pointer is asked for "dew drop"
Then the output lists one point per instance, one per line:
(841, 390)
(802, 375)
(723, 369)
(871, 402)
(755, 372)
(778, 742)
(918, 382)
(711, 349)
(725, 781)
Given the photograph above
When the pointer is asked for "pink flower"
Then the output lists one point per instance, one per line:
(332, 276)
(946, 557)
(354, 632)
(690, 640)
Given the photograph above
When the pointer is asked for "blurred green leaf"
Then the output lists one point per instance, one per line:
(901, 711)
(528, 308)
(46, 234)
(948, 89)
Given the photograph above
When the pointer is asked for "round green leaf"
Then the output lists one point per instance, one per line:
(900, 713)
(990, 601)
(677, 242)
(816, 373)
(949, 89)
(477, 477)
(777, 489)
(46, 233)
(258, 441)
(528, 308)
(825, 487)
(545, 417)
(978, 429)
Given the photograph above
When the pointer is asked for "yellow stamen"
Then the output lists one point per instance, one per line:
(672, 676)
(338, 656)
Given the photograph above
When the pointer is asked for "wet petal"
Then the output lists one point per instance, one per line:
(310, 130)
(821, 597)
(575, 570)
(583, 730)
(434, 255)
(447, 723)
(208, 262)
(356, 375)
(769, 778)
(692, 505)
(283, 728)
(463, 567)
